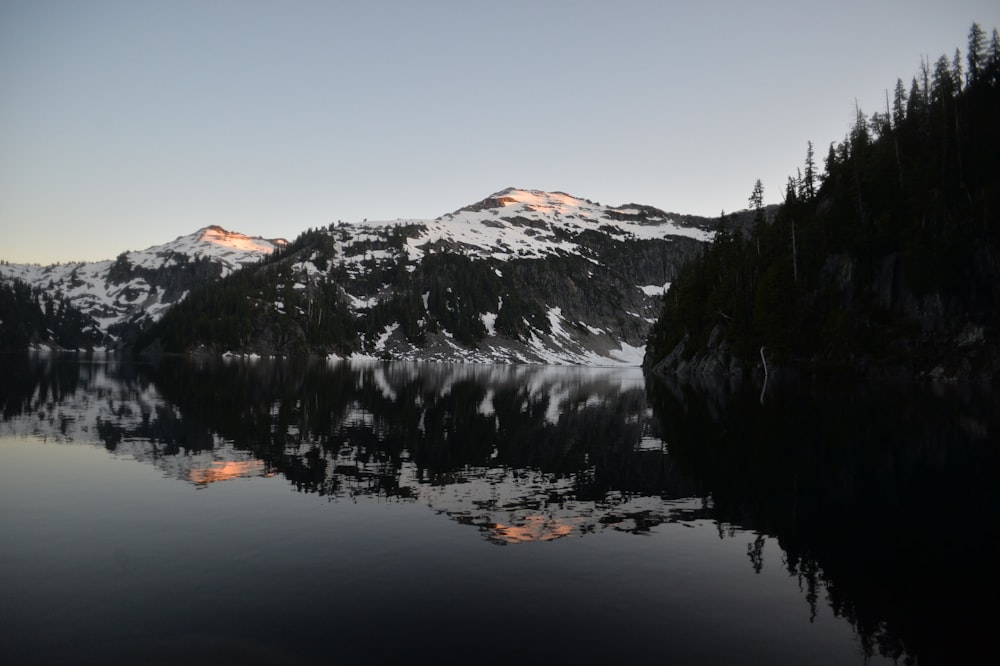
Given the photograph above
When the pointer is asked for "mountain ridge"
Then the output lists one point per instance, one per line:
(520, 276)
(139, 286)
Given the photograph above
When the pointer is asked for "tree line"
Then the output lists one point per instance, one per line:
(883, 252)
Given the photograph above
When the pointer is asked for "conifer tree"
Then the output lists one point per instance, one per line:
(942, 83)
(898, 105)
(976, 55)
(956, 71)
(809, 179)
(757, 201)
(915, 106)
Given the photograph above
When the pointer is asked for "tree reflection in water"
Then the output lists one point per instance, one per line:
(881, 496)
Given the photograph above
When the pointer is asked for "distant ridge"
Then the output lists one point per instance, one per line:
(137, 287)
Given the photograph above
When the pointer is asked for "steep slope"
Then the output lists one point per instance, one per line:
(138, 287)
(521, 276)
(886, 263)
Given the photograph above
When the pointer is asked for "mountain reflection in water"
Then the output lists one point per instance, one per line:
(882, 501)
(521, 452)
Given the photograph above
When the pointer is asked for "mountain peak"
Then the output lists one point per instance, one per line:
(532, 200)
(216, 235)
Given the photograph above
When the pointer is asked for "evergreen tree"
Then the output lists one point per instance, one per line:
(757, 200)
(976, 55)
(943, 85)
(958, 78)
(898, 105)
(809, 179)
(915, 107)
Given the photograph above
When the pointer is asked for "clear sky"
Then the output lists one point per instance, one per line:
(127, 124)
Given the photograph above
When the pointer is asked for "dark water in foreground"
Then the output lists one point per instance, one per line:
(276, 512)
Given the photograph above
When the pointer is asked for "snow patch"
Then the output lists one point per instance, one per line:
(655, 290)
(489, 321)
(385, 335)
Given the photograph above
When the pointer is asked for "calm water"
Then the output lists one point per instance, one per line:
(279, 512)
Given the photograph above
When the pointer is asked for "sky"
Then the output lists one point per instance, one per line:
(125, 124)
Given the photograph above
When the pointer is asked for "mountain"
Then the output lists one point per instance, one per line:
(520, 276)
(136, 288)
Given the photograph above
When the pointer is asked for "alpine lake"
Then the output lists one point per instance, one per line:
(191, 511)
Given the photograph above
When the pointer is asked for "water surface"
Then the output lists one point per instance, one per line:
(282, 512)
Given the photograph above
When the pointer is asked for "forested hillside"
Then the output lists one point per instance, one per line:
(31, 319)
(887, 260)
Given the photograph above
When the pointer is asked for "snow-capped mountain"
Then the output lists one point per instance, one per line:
(522, 276)
(140, 286)
(526, 224)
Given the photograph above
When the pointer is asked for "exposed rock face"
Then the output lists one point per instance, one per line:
(716, 359)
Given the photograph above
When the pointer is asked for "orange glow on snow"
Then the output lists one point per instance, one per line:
(535, 528)
(540, 201)
(235, 240)
(223, 471)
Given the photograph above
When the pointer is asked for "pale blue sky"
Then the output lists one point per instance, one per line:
(127, 124)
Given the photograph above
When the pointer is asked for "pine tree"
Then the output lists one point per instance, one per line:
(809, 180)
(915, 106)
(976, 56)
(830, 163)
(757, 201)
(943, 86)
(898, 105)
